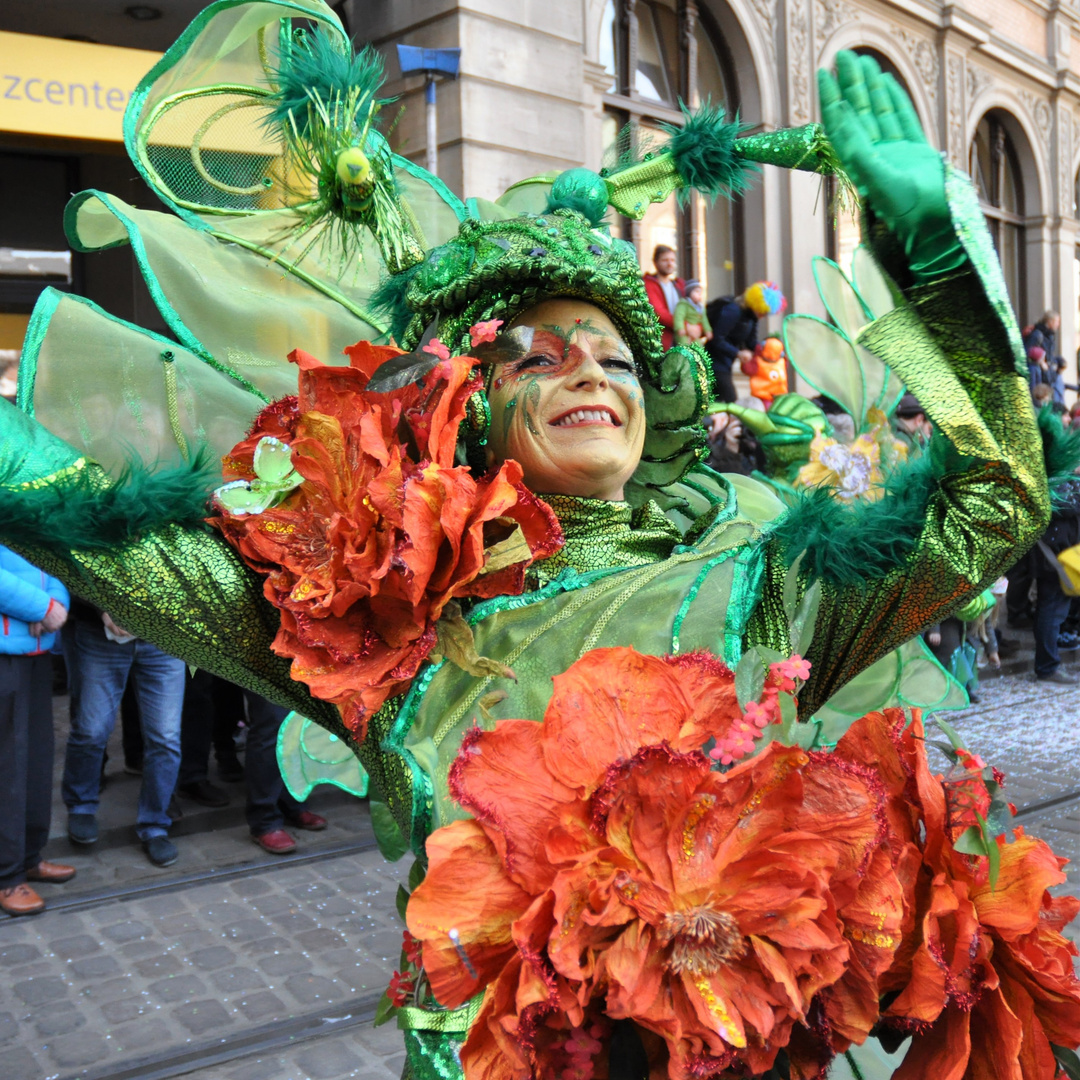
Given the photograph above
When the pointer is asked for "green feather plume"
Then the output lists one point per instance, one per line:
(703, 149)
(388, 302)
(78, 511)
(315, 67)
(850, 543)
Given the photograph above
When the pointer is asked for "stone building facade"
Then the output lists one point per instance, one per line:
(550, 84)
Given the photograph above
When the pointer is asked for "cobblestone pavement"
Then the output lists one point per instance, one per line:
(127, 979)
(103, 991)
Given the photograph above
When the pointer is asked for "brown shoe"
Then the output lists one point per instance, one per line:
(21, 900)
(50, 871)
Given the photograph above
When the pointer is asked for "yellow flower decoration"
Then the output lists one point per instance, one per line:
(852, 471)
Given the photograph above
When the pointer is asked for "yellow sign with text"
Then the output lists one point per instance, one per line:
(68, 88)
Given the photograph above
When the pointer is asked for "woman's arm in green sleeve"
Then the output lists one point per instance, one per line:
(953, 341)
(179, 586)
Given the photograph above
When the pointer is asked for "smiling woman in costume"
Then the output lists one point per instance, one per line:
(581, 669)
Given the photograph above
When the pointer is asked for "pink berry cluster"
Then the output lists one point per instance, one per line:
(782, 677)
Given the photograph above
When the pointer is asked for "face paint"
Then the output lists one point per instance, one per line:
(571, 402)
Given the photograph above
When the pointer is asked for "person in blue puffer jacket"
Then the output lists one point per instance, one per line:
(33, 606)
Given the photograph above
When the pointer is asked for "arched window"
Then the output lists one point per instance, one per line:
(995, 170)
(659, 53)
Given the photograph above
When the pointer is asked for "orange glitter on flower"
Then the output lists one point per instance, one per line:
(385, 530)
(619, 871)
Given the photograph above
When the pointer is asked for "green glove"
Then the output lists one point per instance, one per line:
(877, 136)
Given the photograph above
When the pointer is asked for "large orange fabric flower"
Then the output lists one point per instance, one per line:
(611, 874)
(384, 531)
(984, 978)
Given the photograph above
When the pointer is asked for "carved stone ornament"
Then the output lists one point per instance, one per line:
(955, 87)
(830, 15)
(1039, 109)
(923, 56)
(978, 79)
(767, 10)
(799, 59)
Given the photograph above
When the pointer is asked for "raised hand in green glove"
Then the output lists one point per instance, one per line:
(877, 136)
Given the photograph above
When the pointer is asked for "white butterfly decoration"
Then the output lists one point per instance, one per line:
(275, 478)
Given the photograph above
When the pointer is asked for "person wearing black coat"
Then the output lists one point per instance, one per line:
(735, 336)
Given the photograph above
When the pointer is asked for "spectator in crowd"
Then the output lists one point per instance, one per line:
(767, 370)
(33, 607)
(269, 804)
(691, 322)
(910, 425)
(1042, 394)
(734, 321)
(664, 290)
(1040, 344)
(100, 658)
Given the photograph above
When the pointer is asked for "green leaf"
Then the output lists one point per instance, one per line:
(789, 718)
(802, 626)
(388, 835)
(834, 728)
(946, 749)
(770, 656)
(950, 733)
(416, 874)
(971, 842)
(385, 1010)
(791, 589)
(749, 678)
(402, 901)
(806, 734)
(993, 852)
(1068, 1060)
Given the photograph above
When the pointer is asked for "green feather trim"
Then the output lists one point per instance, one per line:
(316, 67)
(388, 302)
(1061, 452)
(76, 510)
(850, 543)
(704, 152)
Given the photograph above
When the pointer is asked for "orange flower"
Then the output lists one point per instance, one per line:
(384, 531)
(609, 871)
(984, 979)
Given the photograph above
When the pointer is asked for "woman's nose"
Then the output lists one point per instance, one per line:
(589, 373)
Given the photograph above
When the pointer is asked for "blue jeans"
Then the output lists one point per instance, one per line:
(98, 670)
(1051, 610)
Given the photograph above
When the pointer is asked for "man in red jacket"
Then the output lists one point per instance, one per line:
(664, 290)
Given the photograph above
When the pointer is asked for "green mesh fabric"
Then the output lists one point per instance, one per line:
(193, 126)
(132, 394)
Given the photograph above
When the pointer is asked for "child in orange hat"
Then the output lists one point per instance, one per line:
(767, 370)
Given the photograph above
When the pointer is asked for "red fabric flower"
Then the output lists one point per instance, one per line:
(619, 872)
(984, 978)
(385, 530)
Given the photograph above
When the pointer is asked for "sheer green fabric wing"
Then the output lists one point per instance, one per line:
(193, 126)
(309, 755)
(132, 394)
(870, 283)
(222, 299)
(842, 302)
(827, 361)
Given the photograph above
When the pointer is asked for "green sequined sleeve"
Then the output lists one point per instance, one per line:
(955, 344)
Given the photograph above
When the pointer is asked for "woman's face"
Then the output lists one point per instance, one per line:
(566, 403)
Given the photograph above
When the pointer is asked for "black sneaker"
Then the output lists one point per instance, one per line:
(82, 828)
(160, 850)
(204, 793)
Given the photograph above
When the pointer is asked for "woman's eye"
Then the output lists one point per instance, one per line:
(617, 363)
(540, 360)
